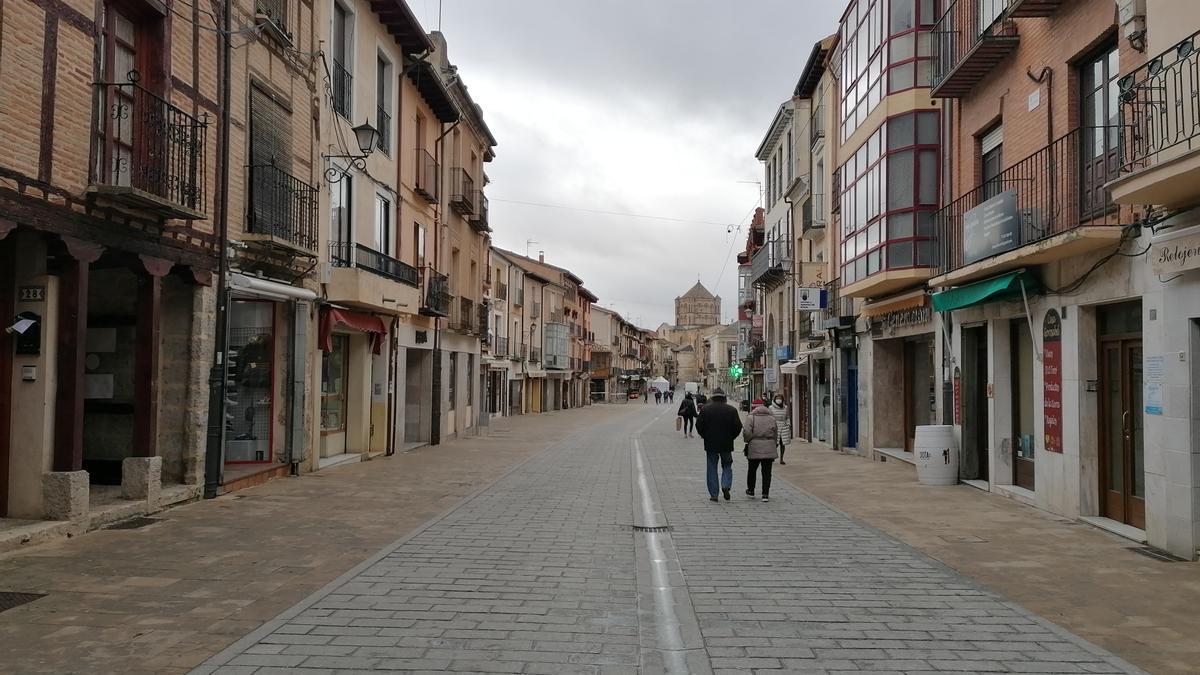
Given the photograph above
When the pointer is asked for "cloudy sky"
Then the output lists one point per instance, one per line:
(647, 107)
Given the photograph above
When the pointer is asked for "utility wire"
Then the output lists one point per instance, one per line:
(607, 213)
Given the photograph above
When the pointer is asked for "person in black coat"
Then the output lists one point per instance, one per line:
(719, 424)
(688, 412)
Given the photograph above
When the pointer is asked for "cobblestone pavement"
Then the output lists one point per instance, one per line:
(544, 572)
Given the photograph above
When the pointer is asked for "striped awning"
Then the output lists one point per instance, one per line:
(895, 303)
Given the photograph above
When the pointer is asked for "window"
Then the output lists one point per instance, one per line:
(339, 219)
(383, 97)
(889, 192)
(127, 53)
(418, 245)
(790, 168)
(334, 368)
(991, 156)
(383, 224)
(342, 52)
(453, 388)
(270, 160)
(250, 402)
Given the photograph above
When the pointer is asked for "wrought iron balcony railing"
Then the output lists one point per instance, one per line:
(282, 206)
(812, 215)
(816, 125)
(345, 254)
(1160, 107)
(462, 191)
(276, 12)
(769, 265)
(343, 86)
(148, 153)
(535, 355)
(502, 291)
(436, 299)
(518, 297)
(483, 318)
(464, 319)
(1054, 190)
(426, 183)
(384, 123)
(480, 220)
(969, 39)
(500, 346)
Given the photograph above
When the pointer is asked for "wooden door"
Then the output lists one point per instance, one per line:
(1099, 161)
(119, 65)
(1122, 469)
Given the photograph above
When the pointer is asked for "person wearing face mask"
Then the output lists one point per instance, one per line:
(783, 423)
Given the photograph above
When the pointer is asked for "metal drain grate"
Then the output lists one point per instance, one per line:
(133, 523)
(9, 600)
(1156, 554)
(659, 528)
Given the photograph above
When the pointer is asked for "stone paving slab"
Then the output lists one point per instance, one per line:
(540, 574)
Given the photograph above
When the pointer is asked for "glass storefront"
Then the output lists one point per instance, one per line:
(250, 403)
(334, 366)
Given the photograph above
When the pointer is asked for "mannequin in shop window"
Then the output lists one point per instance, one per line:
(254, 380)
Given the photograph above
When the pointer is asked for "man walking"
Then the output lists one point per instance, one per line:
(719, 424)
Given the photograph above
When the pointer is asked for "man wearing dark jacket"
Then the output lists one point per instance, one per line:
(719, 424)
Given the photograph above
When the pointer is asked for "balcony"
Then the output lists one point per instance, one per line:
(1022, 9)
(519, 352)
(535, 355)
(770, 264)
(479, 221)
(500, 346)
(462, 192)
(282, 210)
(343, 87)
(149, 155)
(816, 126)
(273, 15)
(1049, 206)
(812, 217)
(463, 319)
(436, 299)
(536, 312)
(483, 318)
(365, 278)
(518, 297)
(556, 316)
(383, 120)
(502, 291)
(1160, 130)
(426, 183)
(969, 40)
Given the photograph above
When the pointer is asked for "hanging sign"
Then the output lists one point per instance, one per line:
(1176, 252)
(1052, 416)
(811, 299)
(991, 228)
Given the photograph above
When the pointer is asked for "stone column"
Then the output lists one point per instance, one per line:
(145, 378)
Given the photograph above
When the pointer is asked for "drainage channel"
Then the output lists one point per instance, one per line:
(669, 631)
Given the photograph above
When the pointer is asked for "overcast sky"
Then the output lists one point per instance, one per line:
(650, 107)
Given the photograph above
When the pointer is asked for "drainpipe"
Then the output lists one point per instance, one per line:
(435, 413)
(214, 454)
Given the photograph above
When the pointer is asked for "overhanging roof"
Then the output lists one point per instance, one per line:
(402, 24)
(815, 68)
(425, 77)
(782, 119)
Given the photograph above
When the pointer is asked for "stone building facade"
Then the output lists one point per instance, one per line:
(697, 308)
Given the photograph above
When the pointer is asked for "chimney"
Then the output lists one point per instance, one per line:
(541, 256)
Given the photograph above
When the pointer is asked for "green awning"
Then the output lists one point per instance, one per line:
(997, 289)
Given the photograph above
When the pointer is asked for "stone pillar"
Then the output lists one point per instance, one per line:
(141, 478)
(146, 352)
(65, 495)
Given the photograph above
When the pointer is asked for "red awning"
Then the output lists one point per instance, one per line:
(365, 323)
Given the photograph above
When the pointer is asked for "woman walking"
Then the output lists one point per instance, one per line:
(760, 433)
(688, 411)
(783, 421)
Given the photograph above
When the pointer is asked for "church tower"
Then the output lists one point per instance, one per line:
(697, 308)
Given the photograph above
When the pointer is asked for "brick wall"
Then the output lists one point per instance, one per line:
(1072, 33)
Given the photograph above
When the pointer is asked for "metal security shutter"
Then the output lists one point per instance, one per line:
(270, 162)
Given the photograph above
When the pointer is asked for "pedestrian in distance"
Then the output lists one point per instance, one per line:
(646, 396)
(688, 412)
(719, 424)
(783, 422)
(760, 433)
(657, 397)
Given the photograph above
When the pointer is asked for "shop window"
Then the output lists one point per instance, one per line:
(250, 395)
(335, 366)
(452, 390)
(1023, 410)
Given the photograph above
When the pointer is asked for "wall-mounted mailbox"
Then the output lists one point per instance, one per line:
(28, 330)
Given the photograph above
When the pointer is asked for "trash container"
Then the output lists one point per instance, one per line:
(936, 454)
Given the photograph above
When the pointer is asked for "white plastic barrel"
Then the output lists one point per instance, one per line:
(936, 454)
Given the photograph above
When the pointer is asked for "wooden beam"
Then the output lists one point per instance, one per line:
(145, 360)
(72, 339)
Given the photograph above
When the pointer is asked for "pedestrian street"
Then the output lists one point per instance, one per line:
(603, 555)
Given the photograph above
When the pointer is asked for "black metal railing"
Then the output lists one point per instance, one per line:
(464, 317)
(282, 206)
(462, 191)
(519, 297)
(816, 125)
(768, 266)
(484, 317)
(812, 215)
(556, 316)
(436, 286)
(961, 31)
(480, 219)
(384, 122)
(276, 11)
(1160, 107)
(146, 144)
(346, 254)
(426, 183)
(500, 346)
(1054, 190)
(343, 85)
(501, 291)
(535, 355)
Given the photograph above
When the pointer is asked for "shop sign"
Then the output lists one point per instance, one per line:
(812, 273)
(1176, 252)
(811, 299)
(957, 395)
(783, 353)
(992, 227)
(1052, 380)
(903, 318)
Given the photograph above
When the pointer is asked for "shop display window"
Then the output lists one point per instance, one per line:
(249, 395)
(334, 366)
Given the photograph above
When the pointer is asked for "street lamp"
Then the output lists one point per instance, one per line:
(367, 137)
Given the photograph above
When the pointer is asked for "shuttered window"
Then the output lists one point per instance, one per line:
(270, 161)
